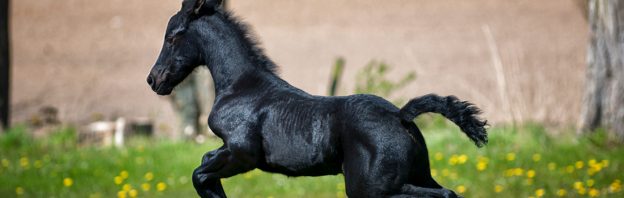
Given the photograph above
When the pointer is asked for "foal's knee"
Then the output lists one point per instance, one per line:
(208, 155)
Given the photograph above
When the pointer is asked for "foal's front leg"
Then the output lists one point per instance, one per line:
(224, 162)
(211, 188)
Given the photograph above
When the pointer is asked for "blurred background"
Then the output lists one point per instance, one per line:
(87, 58)
(547, 75)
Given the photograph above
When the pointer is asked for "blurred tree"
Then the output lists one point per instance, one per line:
(4, 64)
(603, 102)
(192, 101)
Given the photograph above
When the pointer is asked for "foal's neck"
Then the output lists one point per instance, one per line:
(231, 53)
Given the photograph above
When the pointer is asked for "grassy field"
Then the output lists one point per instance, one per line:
(518, 162)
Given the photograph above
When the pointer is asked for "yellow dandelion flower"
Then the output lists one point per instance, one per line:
(537, 157)
(552, 166)
(126, 187)
(530, 173)
(124, 174)
(578, 185)
(453, 160)
(121, 194)
(460, 189)
(596, 166)
(24, 162)
(145, 186)
(579, 164)
(438, 156)
(19, 191)
(616, 186)
(561, 192)
(118, 180)
(590, 182)
(462, 159)
(68, 182)
(481, 166)
(498, 188)
(591, 162)
(540, 192)
(593, 192)
(133, 193)
(149, 176)
(434, 172)
(511, 156)
(581, 191)
(161, 186)
(518, 171)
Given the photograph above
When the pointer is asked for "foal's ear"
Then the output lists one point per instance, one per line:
(205, 6)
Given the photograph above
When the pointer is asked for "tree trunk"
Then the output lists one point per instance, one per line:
(603, 103)
(4, 64)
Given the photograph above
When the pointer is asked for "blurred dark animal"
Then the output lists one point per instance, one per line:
(268, 124)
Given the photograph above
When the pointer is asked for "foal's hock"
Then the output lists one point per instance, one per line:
(267, 123)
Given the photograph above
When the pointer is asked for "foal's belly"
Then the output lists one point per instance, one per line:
(303, 147)
(301, 159)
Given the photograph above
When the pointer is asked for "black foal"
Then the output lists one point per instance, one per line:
(268, 124)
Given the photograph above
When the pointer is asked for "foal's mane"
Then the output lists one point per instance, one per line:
(250, 41)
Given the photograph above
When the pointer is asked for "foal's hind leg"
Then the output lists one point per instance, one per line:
(374, 170)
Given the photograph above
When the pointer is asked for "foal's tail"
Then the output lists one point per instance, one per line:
(462, 113)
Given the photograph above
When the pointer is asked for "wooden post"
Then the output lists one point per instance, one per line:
(4, 65)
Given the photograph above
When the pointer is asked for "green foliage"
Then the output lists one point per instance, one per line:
(540, 164)
(372, 79)
(15, 138)
(63, 138)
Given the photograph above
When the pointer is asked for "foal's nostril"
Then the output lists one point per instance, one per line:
(149, 80)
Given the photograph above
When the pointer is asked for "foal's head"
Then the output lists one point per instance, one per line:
(180, 53)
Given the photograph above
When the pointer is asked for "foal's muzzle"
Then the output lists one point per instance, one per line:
(156, 79)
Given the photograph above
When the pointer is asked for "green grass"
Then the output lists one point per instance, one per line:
(57, 167)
